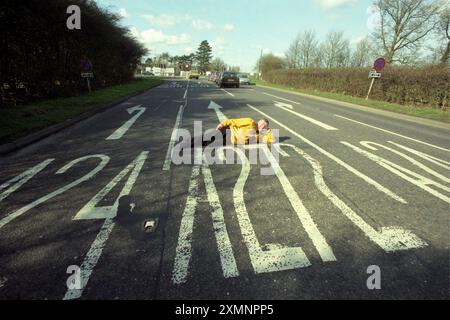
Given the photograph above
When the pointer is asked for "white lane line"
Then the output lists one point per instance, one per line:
(229, 267)
(359, 174)
(91, 259)
(185, 93)
(316, 122)
(116, 135)
(388, 238)
(227, 92)
(393, 133)
(276, 258)
(22, 178)
(173, 139)
(268, 94)
(104, 160)
(183, 251)
(96, 249)
(420, 181)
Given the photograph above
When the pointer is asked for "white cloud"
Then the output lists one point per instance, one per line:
(228, 27)
(218, 45)
(163, 20)
(330, 4)
(123, 13)
(152, 37)
(202, 24)
(189, 50)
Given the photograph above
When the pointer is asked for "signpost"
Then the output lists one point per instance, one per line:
(86, 71)
(378, 65)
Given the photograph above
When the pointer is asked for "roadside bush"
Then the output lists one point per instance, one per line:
(424, 87)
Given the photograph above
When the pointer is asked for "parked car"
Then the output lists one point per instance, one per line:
(243, 78)
(148, 73)
(229, 78)
(194, 75)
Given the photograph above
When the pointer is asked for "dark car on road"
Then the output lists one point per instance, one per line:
(229, 79)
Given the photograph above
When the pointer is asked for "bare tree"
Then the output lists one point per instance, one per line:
(362, 54)
(308, 48)
(403, 26)
(302, 50)
(335, 50)
(293, 53)
(443, 33)
(270, 62)
(217, 64)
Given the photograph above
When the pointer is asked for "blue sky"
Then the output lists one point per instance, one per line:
(238, 29)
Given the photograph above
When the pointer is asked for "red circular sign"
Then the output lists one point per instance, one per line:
(379, 64)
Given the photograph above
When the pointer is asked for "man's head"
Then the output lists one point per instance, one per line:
(263, 124)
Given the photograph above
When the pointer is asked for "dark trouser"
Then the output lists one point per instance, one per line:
(199, 141)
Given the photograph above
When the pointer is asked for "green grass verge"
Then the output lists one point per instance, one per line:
(20, 121)
(422, 112)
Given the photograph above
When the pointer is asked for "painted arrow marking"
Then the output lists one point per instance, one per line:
(282, 104)
(216, 108)
(116, 135)
(314, 121)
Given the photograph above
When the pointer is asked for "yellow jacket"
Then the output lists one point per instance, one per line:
(244, 128)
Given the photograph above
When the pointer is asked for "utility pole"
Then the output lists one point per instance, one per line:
(259, 64)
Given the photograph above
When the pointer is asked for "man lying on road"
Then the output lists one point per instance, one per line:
(245, 130)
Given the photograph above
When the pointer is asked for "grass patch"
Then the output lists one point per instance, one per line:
(422, 112)
(20, 121)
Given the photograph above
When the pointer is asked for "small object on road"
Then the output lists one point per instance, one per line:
(3, 281)
(150, 225)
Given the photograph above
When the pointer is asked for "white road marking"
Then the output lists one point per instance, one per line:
(420, 181)
(325, 251)
(116, 135)
(228, 92)
(388, 238)
(282, 104)
(96, 249)
(277, 258)
(91, 259)
(104, 160)
(173, 139)
(393, 133)
(185, 94)
(216, 108)
(316, 122)
(291, 101)
(184, 245)
(441, 163)
(359, 174)
(22, 178)
(229, 267)
(90, 211)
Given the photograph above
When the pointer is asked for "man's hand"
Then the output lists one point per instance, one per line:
(220, 127)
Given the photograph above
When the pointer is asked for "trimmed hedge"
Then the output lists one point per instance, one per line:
(423, 87)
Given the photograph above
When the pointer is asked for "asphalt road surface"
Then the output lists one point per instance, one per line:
(356, 207)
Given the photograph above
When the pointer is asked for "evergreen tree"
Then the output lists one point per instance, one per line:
(203, 56)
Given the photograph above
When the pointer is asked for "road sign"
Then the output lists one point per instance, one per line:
(374, 74)
(379, 64)
(85, 65)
